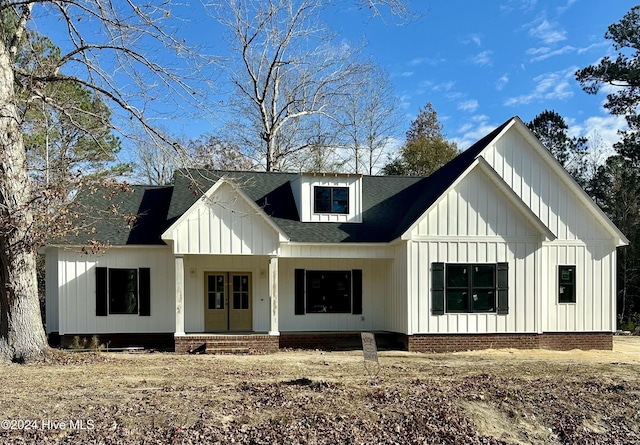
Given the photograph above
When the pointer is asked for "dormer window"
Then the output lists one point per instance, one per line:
(328, 197)
(331, 200)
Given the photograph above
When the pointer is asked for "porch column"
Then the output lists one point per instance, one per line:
(273, 296)
(179, 260)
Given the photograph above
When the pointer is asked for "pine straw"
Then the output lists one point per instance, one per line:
(506, 396)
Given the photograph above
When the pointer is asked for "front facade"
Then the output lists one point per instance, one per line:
(499, 248)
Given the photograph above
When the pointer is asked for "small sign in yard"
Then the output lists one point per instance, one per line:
(370, 352)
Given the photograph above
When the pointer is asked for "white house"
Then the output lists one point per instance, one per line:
(499, 248)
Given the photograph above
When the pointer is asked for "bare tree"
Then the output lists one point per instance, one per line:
(288, 69)
(109, 44)
(126, 54)
(211, 152)
(368, 119)
(322, 153)
(154, 164)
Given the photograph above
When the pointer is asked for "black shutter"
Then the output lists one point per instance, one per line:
(299, 292)
(101, 291)
(437, 288)
(503, 288)
(144, 286)
(356, 277)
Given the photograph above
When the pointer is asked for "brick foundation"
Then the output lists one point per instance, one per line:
(331, 341)
(227, 344)
(563, 341)
(339, 341)
(320, 340)
(162, 341)
(463, 342)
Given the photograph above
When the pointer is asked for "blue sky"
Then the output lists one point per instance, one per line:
(479, 63)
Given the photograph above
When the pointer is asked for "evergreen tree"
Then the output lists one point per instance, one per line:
(551, 129)
(425, 149)
(616, 186)
(624, 74)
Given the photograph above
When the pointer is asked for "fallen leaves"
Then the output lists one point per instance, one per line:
(165, 399)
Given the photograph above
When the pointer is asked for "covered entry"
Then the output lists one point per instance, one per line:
(227, 302)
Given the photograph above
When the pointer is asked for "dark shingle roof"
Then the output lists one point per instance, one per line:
(390, 204)
(103, 216)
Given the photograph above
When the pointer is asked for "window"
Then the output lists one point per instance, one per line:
(331, 200)
(328, 291)
(467, 288)
(122, 291)
(567, 284)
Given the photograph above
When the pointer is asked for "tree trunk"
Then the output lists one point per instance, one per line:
(271, 154)
(22, 336)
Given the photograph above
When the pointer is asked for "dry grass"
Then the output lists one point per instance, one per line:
(495, 396)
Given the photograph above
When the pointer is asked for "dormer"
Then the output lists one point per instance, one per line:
(328, 197)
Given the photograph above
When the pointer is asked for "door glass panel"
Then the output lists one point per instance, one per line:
(215, 291)
(240, 292)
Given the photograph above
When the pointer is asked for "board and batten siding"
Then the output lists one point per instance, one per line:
(594, 309)
(77, 291)
(582, 240)
(475, 222)
(541, 188)
(375, 295)
(223, 224)
(523, 286)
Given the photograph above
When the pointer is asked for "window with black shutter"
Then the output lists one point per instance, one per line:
(469, 288)
(123, 291)
(328, 291)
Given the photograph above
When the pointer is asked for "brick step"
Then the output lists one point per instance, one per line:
(226, 350)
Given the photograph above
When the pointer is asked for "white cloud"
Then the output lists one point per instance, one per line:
(476, 39)
(550, 86)
(482, 59)
(545, 52)
(470, 133)
(425, 61)
(518, 5)
(605, 127)
(445, 86)
(417, 61)
(547, 32)
(538, 51)
(405, 101)
(502, 82)
(454, 95)
(598, 45)
(563, 9)
(406, 74)
(468, 105)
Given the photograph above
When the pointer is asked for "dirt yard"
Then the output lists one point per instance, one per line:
(314, 397)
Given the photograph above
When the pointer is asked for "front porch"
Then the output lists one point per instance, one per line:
(227, 343)
(264, 343)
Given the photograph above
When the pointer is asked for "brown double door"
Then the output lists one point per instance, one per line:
(227, 302)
